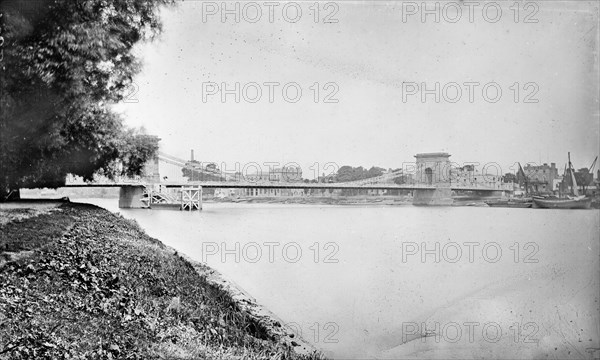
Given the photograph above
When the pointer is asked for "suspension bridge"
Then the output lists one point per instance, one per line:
(431, 183)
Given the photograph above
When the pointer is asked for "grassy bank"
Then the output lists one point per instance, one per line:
(81, 282)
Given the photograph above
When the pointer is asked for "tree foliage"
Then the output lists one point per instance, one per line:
(65, 63)
(348, 173)
(402, 179)
(583, 177)
(510, 178)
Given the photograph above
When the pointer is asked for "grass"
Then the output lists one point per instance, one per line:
(93, 285)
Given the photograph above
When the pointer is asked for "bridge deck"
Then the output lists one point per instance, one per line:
(317, 186)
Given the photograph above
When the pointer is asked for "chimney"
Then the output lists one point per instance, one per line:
(192, 155)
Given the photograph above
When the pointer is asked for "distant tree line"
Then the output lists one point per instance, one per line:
(348, 173)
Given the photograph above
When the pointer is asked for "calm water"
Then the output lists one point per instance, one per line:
(507, 283)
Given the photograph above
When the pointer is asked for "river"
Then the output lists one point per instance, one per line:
(367, 281)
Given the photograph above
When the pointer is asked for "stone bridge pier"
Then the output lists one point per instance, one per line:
(433, 172)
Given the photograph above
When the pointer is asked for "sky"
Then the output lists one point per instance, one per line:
(371, 60)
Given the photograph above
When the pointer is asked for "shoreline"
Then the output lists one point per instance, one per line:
(372, 200)
(76, 194)
(92, 257)
(314, 201)
(248, 304)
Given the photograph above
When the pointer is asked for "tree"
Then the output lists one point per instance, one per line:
(344, 173)
(374, 172)
(65, 62)
(510, 178)
(348, 173)
(584, 178)
(401, 180)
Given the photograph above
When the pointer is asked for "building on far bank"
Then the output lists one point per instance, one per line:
(470, 176)
(286, 174)
(556, 183)
(283, 174)
(541, 178)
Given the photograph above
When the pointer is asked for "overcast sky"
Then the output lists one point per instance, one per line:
(374, 54)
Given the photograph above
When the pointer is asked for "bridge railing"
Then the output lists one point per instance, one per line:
(122, 181)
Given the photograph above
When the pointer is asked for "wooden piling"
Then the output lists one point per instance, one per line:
(191, 198)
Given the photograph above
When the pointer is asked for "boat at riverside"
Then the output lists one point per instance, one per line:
(572, 201)
(513, 203)
(580, 202)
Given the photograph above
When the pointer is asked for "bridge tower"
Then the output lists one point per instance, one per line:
(433, 174)
(151, 172)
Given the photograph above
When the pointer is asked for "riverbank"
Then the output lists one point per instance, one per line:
(334, 200)
(371, 200)
(81, 282)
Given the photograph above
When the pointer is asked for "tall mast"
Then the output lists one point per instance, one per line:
(591, 171)
(564, 182)
(521, 172)
(572, 171)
